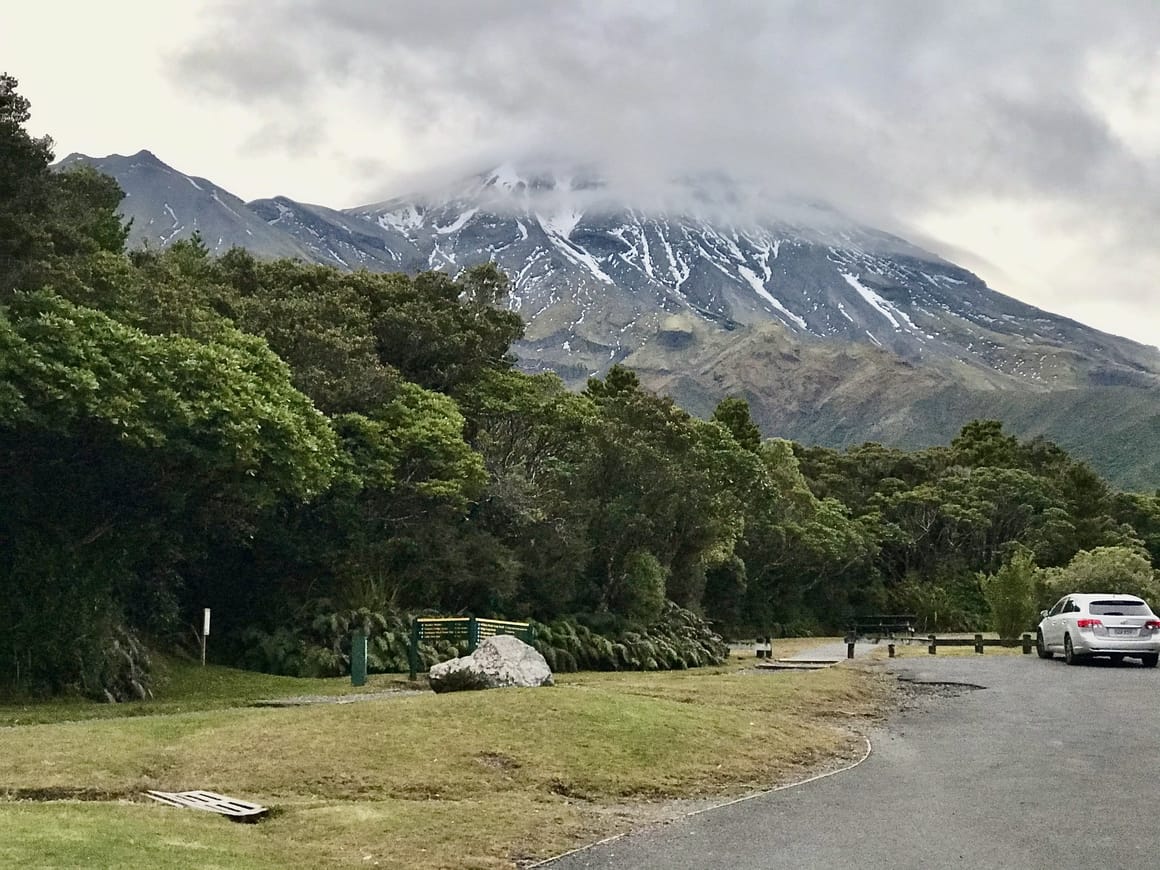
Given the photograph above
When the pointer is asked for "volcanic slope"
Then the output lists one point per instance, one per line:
(836, 333)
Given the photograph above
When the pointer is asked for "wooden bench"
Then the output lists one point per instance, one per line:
(885, 625)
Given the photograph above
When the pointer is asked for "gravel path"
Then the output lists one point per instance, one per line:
(305, 700)
(830, 652)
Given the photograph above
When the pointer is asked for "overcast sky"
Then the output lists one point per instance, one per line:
(1020, 138)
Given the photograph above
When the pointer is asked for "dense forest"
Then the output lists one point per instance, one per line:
(307, 451)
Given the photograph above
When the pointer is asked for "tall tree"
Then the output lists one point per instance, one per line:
(119, 451)
(46, 218)
(733, 413)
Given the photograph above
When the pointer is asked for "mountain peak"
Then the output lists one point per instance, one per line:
(836, 332)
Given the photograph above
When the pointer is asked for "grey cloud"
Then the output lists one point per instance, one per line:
(747, 76)
(880, 108)
(299, 135)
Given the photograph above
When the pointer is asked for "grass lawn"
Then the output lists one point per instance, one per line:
(464, 780)
(185, 687)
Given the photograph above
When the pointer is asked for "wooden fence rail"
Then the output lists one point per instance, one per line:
(978, 642)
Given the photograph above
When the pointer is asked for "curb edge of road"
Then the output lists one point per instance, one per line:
(784, 787)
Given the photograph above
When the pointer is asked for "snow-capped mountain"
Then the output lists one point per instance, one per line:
(596, 280)
(835, 332)
(166, 205)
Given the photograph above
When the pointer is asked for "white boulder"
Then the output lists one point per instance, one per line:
(498, 661)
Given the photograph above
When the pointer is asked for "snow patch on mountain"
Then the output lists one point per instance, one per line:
(751, 277)
(582, 257)
(175, 229)
(560, 223)
(402, 219)
(458, 223)
(877, 302)
(505, 177)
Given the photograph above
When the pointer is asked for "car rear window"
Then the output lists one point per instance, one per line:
(1119, 608)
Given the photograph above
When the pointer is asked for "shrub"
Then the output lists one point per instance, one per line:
(676, 639)
(318, 644)
(1010, 594)
(1104, 569)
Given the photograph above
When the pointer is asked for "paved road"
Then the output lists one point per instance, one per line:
(1047, 766)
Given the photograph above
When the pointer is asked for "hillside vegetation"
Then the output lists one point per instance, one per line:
(835, 332)
(841, 394)
(304, 450)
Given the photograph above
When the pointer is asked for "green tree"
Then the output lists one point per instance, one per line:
(120, 454)
(47, 219)
(733, 414)
(317, 319)
(535, 436)
(659, 480)
(423, 329)
(25, 187)
(639, 593)
(1010, 594)
(1142, 513)
(1104, 569)
(807, 560)
(982, 443)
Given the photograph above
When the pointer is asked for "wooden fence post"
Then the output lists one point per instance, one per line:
(933, 648)
(979, 644)
(1026, 644)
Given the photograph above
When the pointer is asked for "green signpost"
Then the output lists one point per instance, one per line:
(358, 659)
(459, 628)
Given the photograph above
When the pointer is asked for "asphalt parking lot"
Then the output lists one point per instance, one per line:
(1043, 766)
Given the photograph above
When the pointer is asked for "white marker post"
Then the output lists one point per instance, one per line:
(204, 633)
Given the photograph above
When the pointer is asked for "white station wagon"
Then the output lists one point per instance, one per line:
(1116, 626)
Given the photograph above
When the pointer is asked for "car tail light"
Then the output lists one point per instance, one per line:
(1087, 623)
(1152, 624)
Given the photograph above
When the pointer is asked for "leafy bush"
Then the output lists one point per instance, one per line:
(1010, 593)
(318, 644)
(643, 584)
(676, 640)
(121, 671)
(1104, 569)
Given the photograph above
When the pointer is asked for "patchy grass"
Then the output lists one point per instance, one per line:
(184, 686)
(484, 779)
(75, 834)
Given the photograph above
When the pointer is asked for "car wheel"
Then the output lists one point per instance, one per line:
(1041, 648)
(1069, 655)
(1149, 660)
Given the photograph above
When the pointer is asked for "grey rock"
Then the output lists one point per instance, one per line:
(497, 662)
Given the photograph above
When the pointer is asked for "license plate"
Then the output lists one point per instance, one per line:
(1126, 632)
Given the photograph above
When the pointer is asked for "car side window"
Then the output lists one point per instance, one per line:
(1073, 607)
(1058, 609)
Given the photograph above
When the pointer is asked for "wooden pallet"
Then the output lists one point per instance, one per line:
(238, 810)
(796, 664)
